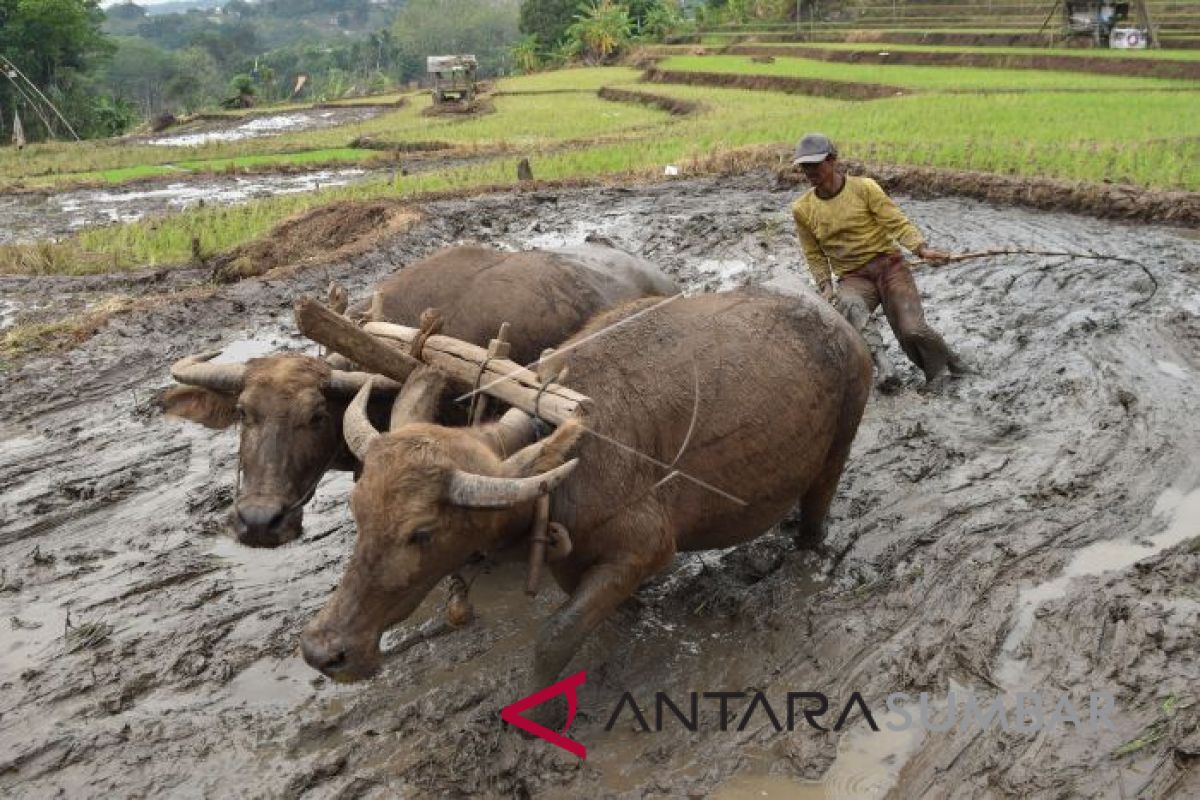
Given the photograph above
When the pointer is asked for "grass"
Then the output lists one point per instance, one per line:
(27, 337)
(1044, 127)
(524, 121)
(923, 78)
(306, 158)
(874, 47)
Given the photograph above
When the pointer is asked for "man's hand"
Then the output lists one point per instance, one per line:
(933, 255)
(829, 291)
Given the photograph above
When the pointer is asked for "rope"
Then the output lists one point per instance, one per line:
(537, 400)
(477, 398)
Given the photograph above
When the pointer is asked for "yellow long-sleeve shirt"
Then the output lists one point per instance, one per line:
(842, 233)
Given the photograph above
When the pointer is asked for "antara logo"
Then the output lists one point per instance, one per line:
(567, 686)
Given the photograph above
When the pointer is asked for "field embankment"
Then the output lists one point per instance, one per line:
(1148, 67)
(842, 90)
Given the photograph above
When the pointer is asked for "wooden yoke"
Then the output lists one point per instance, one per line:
(501, 378)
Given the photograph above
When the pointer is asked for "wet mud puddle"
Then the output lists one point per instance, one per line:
(1183, 511)
(260, 126)
(182, 675)
(36, 217)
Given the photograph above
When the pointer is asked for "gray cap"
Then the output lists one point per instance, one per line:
(813, 149)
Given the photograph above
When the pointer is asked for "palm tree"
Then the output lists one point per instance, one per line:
(525, 54)
(601, 30)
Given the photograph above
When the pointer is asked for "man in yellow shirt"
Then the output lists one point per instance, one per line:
(849, 228)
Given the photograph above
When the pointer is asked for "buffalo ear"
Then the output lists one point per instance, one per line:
(210, 409)
(543, 456)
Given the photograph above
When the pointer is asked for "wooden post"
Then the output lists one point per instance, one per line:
(339, 298)
(537, 544)
(497, 348)
(341, 335)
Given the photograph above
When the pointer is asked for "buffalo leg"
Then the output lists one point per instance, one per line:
(815, 503)
(601, 589)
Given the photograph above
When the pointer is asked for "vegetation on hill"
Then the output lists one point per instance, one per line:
(558, 32)
(57, 45)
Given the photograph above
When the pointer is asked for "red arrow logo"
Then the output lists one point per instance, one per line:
(568, 686)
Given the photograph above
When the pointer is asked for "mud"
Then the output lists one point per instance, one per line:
(337, 230)
(1097, 65)
(35, 217)
(40, 215)
(843, 90)
(256, 126)
(147, 655)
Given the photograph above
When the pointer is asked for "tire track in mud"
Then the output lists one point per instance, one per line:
(957, 500)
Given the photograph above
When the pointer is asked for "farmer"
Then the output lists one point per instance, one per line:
(849, 228)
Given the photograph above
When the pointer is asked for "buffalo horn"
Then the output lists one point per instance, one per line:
(225, 378)
(468, 490)
(356, 428)
(343, 383)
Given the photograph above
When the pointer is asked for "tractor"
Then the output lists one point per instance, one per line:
(1100, 21)
(453, 79)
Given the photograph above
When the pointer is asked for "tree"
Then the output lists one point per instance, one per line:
(663, 20)
(601, 30)
(141, 72)
(524, 54)
(484, 28)
(55, 43)
(112, 116)
(548, 20)
(198, 83)
(50, 39)
(241, 88)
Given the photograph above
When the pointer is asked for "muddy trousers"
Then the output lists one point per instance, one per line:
(886, 280)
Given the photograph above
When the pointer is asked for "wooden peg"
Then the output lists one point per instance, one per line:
(497, 348)
(537, 544)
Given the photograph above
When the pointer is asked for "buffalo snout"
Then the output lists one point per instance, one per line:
(263, 522)
(334, 655)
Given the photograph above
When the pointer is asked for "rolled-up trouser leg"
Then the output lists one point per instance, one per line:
(902, 303)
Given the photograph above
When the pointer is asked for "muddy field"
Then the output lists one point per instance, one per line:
(255, 126)
(1032, 526)
(35, 217)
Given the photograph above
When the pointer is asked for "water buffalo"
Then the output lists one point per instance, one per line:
(712, 416)
(291, 406)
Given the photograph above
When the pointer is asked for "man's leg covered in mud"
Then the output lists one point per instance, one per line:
(857, 298)
(901, 301)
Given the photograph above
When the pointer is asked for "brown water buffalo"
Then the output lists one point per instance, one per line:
(712, 417)
(291, 406)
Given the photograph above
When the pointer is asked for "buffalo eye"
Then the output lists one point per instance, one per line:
(319, 417)
(421, 536)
